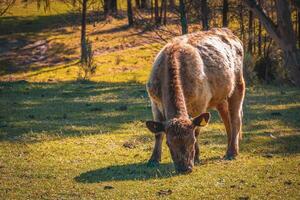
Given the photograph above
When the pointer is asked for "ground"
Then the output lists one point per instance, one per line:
(61, 138)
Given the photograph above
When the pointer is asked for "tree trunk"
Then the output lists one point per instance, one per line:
(114, 6)
(151, 10)
(172, 4)
(83, 32)
(129, 13)
(162, 10)
(145, 4)
(250, 30)
(253, 37)
(137, 4)
(110, 7)
(204, 14)
(225, 13)
(282, 34)
(156, 12)
(298, 27)
(259, 41)
(106, 7)
(242, 27)
(165, 12)
(183, 18)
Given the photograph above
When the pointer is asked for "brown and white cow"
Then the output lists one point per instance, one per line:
(190, 75)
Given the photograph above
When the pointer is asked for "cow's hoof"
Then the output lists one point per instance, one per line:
(153, 163)
(230, 157)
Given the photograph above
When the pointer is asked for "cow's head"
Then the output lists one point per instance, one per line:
(180, 134)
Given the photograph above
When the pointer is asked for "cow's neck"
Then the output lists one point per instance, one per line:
(174, 101)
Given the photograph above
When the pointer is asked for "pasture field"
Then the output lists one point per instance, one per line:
(63, 138)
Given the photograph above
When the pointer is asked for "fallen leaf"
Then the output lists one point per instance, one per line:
(164, 192)
(129, 145)
(268, 155)
(108, 187)
(244, 198)
(288, 182)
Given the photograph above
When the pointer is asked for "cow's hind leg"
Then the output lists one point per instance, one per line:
(223, 110)
(235, 110)
(156, 154)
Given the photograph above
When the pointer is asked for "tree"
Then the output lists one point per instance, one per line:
(129, 13)
(225, 13)
(259, 40)
(137, 4)
(241, 21)
(205, 14)
(156, 13)
(145, 4)
(110, 7)
(299, 27)
(250, 30)
(282, 33)
(183, 18)
(83, 32)
(172, 4)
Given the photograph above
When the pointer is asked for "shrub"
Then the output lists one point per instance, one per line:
(88, 66)
(270, 68)
(249, 64)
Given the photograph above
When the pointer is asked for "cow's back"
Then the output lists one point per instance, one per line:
(210, 66)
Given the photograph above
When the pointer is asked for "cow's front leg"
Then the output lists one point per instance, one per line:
(156, 154)
(197, 150)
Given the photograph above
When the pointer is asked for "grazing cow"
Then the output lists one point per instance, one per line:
(190, 75)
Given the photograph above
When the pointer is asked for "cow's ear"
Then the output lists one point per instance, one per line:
(155, 127)
(201, 120)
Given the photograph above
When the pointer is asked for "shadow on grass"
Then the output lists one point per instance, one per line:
(36, 110)
(34, 24)
(136, 171)
(36, 56)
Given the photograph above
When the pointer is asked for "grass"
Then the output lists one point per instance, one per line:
(66, 139)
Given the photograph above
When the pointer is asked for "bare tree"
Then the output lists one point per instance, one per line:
(156, 12)
(83, 32)
(145, 4)
(172, 4)
(205, 14)
(282, 33)
(137, 4)
(225, 13)
(183, 18)
(299, 27)
(259, 40)
(110, 7)
(250, 30)
(129, 13)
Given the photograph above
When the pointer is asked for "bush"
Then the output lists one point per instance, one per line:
(88, 66)
(270, 68)
(249, 65)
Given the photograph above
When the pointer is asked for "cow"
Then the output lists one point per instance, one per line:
(191, 74)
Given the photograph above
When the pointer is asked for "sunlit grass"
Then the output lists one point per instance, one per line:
(66, 139)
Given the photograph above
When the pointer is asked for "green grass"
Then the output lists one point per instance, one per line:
(70, 140)
(66, 139)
